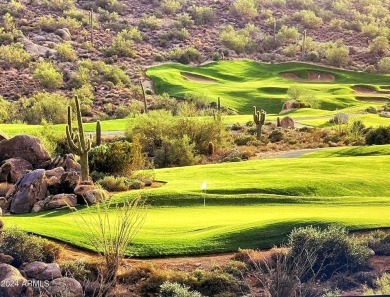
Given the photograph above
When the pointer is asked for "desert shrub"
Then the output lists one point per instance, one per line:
(170, 6)
(60, 5)
(99, 72)
(131, 33)
(276, 136)
(179, 152)
(14, 55)
(211, 283)
(7, 111)
(382, 286)
(150, 22)
(49, 107)
(308, 19)
(380, 135)
(86, 96)
(245, 9)
(185, 55)
(379, 242)
(312, 56)
(121, 45)
(52, 139)
(379, 45)
(184, 20)
(136, 274)
(66, 53)
(112, 158)
(77, 270)
(202, 15)
(114, 184)
(244, 139)
(331, 250)
(48, 75)
(6, 37)
(161, 125)
(287, 35)
(168, 289)
(243, 40)
(383, 65)
(50, 24)
(337, 56)
(27, 248)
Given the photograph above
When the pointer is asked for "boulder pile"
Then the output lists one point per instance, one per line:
(30, 181)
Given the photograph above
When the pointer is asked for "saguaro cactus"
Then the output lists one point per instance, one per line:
(98, 133)
(78, 144)
(259, 119)
(303, 53)
(91, 24)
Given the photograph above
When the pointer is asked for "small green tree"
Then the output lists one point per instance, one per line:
(48, 75)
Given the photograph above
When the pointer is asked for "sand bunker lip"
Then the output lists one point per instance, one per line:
(313, 76)
(198, 78)
(373, 99)
(365, 90)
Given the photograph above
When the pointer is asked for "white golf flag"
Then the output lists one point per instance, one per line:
(203, 187)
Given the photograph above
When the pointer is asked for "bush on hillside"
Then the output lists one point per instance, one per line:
(168, 289)
(48, 75)
(185, 55)
(14, 55)
(380, 135)
(49, 107)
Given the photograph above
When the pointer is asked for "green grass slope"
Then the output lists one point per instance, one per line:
(243, 83)
(248, 205)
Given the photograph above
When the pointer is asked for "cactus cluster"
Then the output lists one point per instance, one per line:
(78, 143)
(259, 119)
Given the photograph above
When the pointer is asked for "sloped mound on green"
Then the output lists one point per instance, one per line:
(241, 84)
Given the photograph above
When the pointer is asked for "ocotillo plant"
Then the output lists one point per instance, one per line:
(259, 119)
(77, 142)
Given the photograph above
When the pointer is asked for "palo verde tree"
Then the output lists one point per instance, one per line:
(259, 119)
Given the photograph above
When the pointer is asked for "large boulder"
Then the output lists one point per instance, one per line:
(14, 283)
(67, 183)
(11, 170)
(28, 190)
(41, 271)
(64, 34)
(65, 286)
(287, 122)
(27, 148)
(96, 196)
(36, 49)
(5, 188)
(59, 201)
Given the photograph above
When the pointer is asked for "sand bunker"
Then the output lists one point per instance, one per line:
(312, 77)
(365, 90)
(198, 78)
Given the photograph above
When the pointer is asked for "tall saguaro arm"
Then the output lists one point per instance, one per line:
(77, 142)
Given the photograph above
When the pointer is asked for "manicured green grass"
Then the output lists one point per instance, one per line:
(374, 150)
(248, 204)
(243, 84)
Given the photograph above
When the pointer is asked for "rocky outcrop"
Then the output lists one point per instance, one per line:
(17, 283)
(65, 286)
(287, 122)
(36, 49)
(11, 170)
(64, 34)
(28, 190)
(56, 201)
(25, 147)
(41, 271)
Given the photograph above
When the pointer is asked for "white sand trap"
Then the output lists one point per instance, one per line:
(313, 77)
(198, 78)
